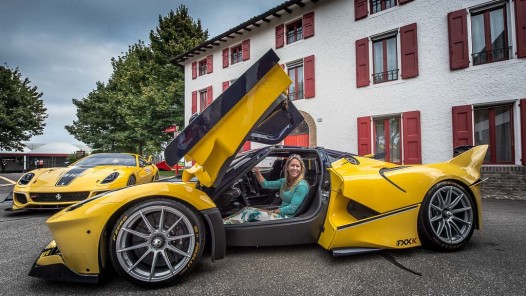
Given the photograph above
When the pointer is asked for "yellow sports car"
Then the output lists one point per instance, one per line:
(154, 233)
(94, 174)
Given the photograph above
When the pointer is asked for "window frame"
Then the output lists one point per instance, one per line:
(236, 54)
(202, 68)
(383, 5)
(387, 137)
(294, 66)
(203, 99)
(297, 31)
(485, 11)
(386, 75)
(493, 133)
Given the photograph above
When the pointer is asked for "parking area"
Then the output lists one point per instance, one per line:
(491, 264)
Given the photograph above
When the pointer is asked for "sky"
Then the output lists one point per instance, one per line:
(65, 46)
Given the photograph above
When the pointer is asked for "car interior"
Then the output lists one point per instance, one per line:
(246, 190)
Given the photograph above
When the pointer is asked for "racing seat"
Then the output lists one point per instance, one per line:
(313, 189)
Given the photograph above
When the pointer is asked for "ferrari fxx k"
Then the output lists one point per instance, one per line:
(63, 186)
(154, 233)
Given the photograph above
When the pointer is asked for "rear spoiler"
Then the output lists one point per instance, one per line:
(471, 160)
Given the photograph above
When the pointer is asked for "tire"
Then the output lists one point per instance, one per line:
(131, 181)
(156, 177)
(446, 217)
(157, 241)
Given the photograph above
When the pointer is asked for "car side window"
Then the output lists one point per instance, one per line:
(142, 162)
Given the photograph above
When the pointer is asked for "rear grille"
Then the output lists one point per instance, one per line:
(21, 198)
(59, 197)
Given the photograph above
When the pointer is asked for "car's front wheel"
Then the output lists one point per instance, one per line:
(446, 218)
(155, 242)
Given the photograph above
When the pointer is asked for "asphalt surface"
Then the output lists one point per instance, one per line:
(493, 263)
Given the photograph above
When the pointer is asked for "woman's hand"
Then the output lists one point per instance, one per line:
(258, 174)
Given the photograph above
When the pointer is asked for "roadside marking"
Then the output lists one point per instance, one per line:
(7, 180)
(5, 185)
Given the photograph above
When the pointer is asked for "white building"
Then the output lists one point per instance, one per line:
(409, 78)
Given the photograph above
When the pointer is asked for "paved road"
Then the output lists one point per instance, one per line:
(493, 263)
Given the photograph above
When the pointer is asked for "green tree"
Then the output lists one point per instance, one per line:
(144, 94)
(22, 111)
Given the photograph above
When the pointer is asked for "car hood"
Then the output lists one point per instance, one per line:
(74, 175)
(254, 108)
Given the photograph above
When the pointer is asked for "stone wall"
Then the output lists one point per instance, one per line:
(504, 182)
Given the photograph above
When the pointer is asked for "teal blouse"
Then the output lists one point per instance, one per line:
(291, 198)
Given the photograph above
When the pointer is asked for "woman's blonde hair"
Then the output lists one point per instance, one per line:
(287, 184)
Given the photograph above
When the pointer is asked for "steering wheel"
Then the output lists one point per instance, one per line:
(241, 185)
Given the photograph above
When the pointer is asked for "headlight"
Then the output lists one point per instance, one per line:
(25, 179)
(110, 178)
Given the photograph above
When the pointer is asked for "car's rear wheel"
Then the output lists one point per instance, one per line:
(155, 242)
(446, 218)
(131, 181)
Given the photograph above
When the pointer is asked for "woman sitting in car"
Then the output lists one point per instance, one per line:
(293, 190)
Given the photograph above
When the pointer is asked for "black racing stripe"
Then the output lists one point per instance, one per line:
(69, 176)
(378, 217)
(382, 173)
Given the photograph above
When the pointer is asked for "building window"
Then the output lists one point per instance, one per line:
(203, 100)
(236, 54)
(381, 5)
(294, 31)
(494, 126)
(295, 72)
(387, 139)
(202, 67)
(489, 31)
(394, 138)
(385, 61)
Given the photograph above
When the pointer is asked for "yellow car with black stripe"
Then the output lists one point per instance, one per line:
(63, 186)
(153, 234)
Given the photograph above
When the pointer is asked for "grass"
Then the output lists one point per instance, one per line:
(164, 174)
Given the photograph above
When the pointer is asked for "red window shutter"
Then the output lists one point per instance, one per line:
(360, 9)
(523, 129)
(458, 39)
(362, 62)
(402, 2)
(194, 70)
(520, 27)
(209, 96)
(225, 57)
(462, 126)
(412, 137)
(194, 102)
(409, 51)
(308, 25)
(280, 36)
(246, 49)
(310, 85)
(210, 64)
(226, 84)
(364, 135)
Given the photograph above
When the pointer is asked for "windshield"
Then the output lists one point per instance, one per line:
(240, 159)
(107, 159)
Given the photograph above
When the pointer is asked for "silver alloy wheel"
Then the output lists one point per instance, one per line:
(155, 243)
(451, 214)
